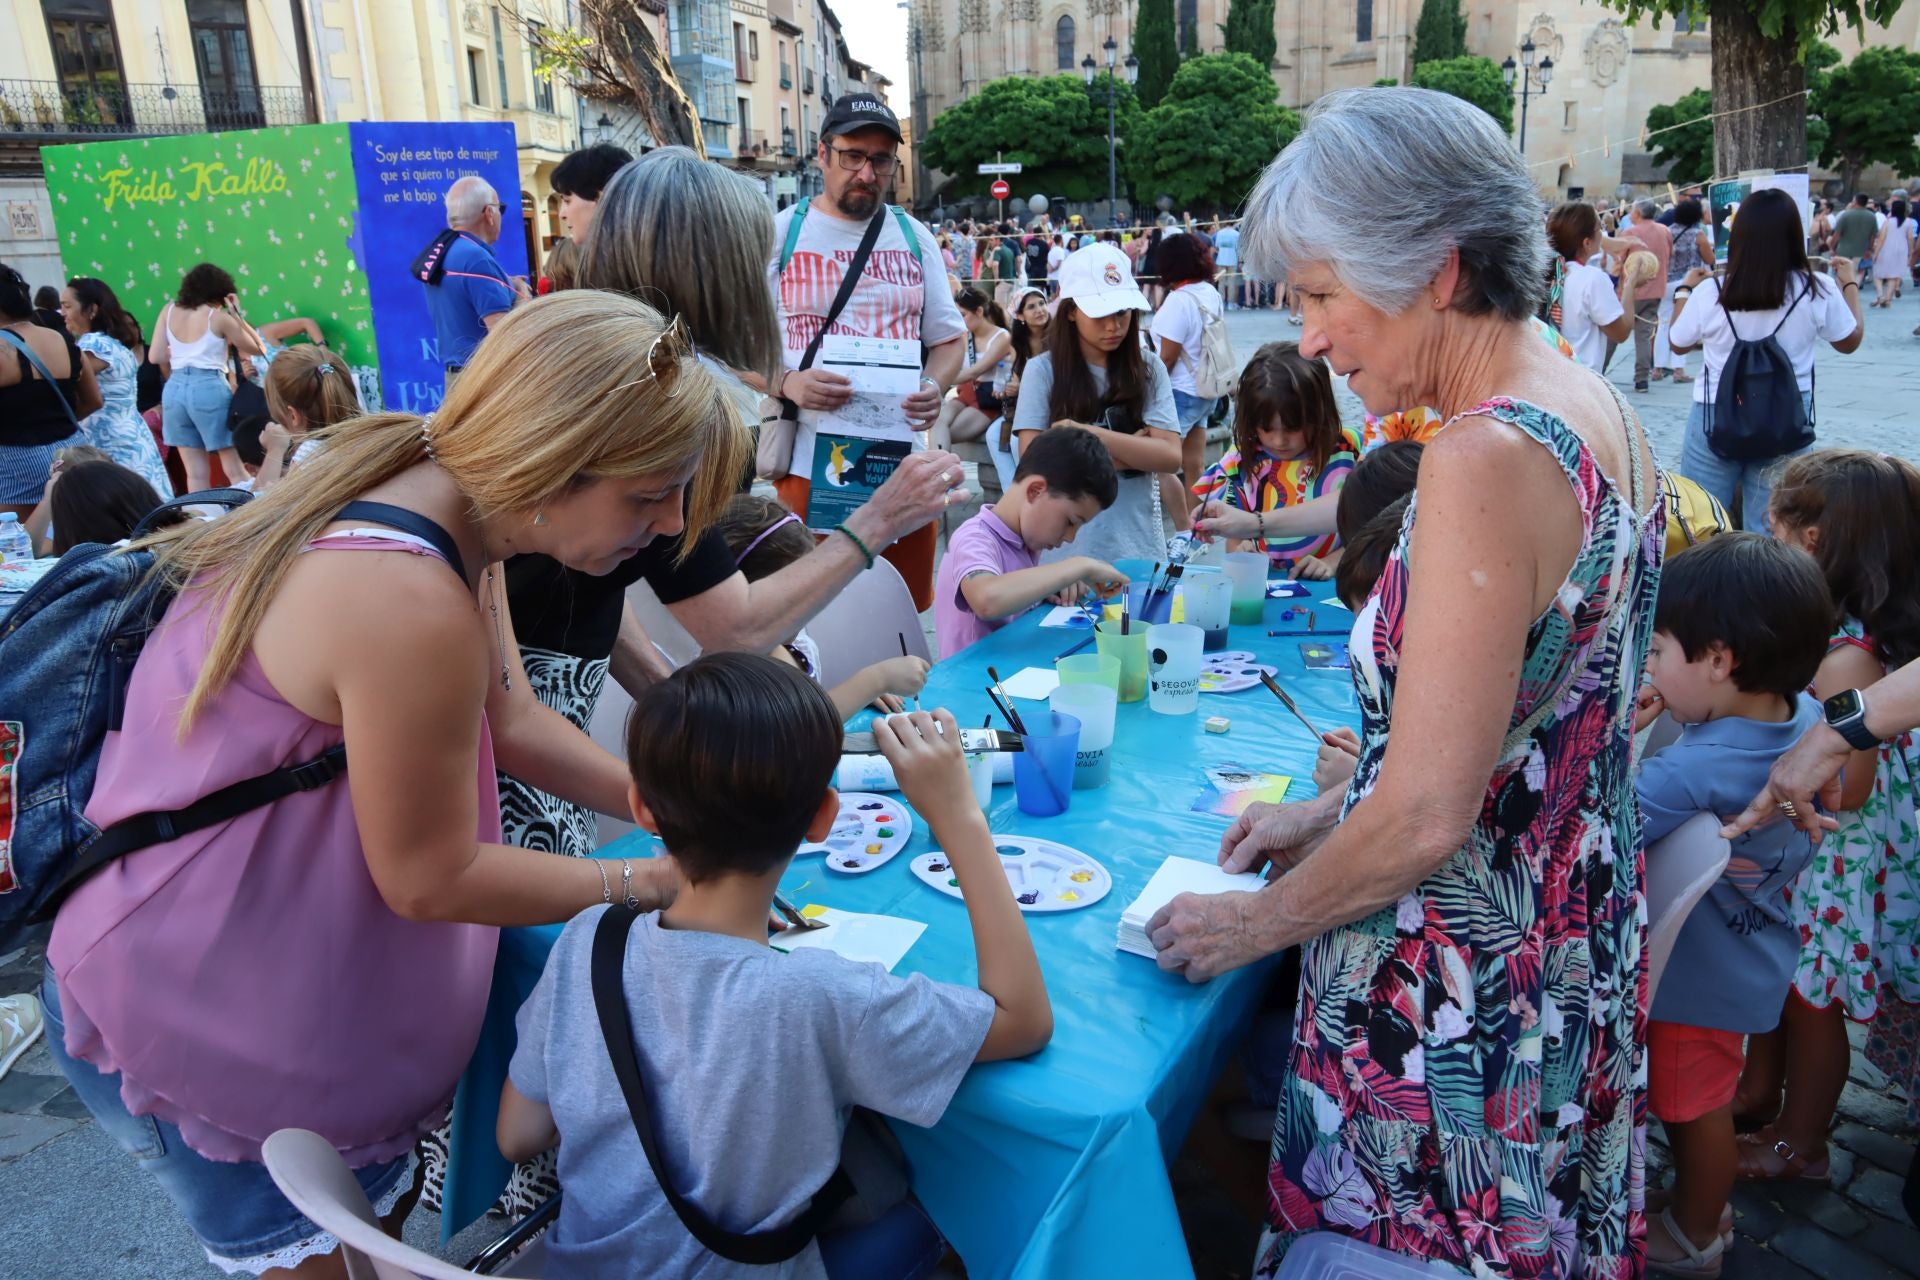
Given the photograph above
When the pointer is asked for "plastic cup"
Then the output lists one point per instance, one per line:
(1093, 706)
(1209, 597)
(980, 771)
(1173, 668)
(1089, 668)
(1130, 650)
(1043, 772)
(1137, 604)
(1248, 570)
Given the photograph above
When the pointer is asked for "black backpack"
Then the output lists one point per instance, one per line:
(1755, 410)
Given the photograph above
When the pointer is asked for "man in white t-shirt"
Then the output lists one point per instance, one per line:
(901, 294)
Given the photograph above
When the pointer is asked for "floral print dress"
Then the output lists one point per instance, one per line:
(1468, 1079)
(1859, 899)
(116, 428)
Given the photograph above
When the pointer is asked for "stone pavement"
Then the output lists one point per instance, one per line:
(72, 1205)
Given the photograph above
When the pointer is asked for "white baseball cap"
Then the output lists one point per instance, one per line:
(1099, 280)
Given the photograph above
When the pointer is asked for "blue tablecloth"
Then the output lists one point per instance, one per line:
(1054, 1166)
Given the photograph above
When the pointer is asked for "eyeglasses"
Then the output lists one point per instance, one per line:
(663, 358)
(853, 161)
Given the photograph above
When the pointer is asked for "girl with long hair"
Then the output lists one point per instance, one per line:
(112, 348)
(190, 342)
(1179, 327)
(1892, 253)
(975, 403)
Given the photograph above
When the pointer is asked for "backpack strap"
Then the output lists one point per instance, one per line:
(760, 1248)
(20, 344)
(906, 229)
(793, 234)
(410, 522)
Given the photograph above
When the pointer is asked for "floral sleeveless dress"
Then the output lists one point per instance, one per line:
(116, 428)
(1468, 1078)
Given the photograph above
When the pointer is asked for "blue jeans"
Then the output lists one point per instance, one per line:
(193, 410)
(1190, 411)
(1722, 478)
(902, 1245)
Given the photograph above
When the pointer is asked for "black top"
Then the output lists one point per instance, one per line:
(565, 611)
(31, 412)
(1036, 251)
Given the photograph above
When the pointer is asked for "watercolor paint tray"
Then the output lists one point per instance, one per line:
(1046, 877)
(1231, 671)
(870, 831)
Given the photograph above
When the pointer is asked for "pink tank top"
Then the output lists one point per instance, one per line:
(249, 977)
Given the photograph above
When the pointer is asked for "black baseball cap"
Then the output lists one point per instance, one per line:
(852, 112)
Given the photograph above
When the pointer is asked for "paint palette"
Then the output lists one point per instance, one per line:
(1231, 671)
(867, 835)
(1046, 877)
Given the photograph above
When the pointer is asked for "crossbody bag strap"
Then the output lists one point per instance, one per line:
(789, 409)
(20, 344)
(409, 522)
(761, 1248)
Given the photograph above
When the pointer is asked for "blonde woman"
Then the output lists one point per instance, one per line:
(323, 962)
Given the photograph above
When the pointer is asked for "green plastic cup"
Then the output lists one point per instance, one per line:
(1090, 668)
(1130, 651)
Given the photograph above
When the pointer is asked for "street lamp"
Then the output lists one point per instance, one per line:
(1532, 80)
(1111, 50)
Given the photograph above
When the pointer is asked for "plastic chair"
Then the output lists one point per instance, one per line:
(1661, 734)
(1680, 870)
(311, 1174)
(864, 623)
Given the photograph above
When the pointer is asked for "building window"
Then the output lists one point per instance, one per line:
(223, 55)
(1363, 20)
(475, 61)
(744, 107)
(740, 52)
(500, 58)
(86, 57)
(786, 71)
(753, 45)
(1683, 23)
(1189, 27)
(542, 88)
(1063, 42)
(1569, 116)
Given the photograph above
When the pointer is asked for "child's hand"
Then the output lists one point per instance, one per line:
(1100, 577)
(1311, 569)
(928, 763)
(1647, 707)
(903, 677)
(275, 438)
(1069, 594)
(1339, 756)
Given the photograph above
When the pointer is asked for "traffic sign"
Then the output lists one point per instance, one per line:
(1009, 166)
(1000, 189)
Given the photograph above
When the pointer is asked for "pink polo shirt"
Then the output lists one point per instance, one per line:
(983, 544)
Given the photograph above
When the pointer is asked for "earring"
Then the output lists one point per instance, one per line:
(540, 517)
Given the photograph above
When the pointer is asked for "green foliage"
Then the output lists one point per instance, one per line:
(1441, 33)
(1796, 23)
(1475, 80)
(1249, 30)
(1211, 136)
(1681, 136)
(1056, 126)
(1869, 107)
(1155, 44)
(1385, 82)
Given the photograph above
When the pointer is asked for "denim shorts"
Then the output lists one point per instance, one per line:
(1190, 411)
(243, 1222)
(193, 410)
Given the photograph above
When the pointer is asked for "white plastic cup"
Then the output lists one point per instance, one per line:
(980, 770)
(1248, 569)
(1173, 668)
(1093, 706)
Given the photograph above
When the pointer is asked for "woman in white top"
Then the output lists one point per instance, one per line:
(190, 341)
(1186, 266)
(1773, 290)
(1591, 313)
(1892, 253)
(975, 403)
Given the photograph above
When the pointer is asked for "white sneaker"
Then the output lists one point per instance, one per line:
(20, 1025)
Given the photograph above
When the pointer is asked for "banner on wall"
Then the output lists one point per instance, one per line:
(313, 221)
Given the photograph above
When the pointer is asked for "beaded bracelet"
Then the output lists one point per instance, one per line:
(855, 539)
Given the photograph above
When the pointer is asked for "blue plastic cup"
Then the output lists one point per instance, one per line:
(1137, 603)
(1043, 772)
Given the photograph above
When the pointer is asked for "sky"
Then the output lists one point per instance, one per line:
(876, 32)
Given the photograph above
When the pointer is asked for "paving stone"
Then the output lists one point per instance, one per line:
(1821, 1205)
(1840, 1167)
(1829, 1256)
(1879, 1191)
(1880, 1110)
(22, 1091)
(1754, 1212)
(1895, 1242)
(1753, 1261)
(67, 1105)
(21, 1134)
(1888, 1150)
(1865, 1074)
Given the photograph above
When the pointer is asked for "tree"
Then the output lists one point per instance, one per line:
(1157, 47)
(621, 63)
(1760, 51)
(1870, 107)
(1441, 33)
(1055, 126)
(1249, 30)
(1682, 137)
(1207, 142)
(1475, 80)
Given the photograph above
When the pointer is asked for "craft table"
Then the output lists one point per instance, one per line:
(1053, 1166)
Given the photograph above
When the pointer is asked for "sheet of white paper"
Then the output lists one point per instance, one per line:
(1031, 682)
(875, 366)
(870, 417)
(1066, 615)
(1187, 875)
(882, 940)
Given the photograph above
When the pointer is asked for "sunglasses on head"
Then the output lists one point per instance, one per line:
(663, 358)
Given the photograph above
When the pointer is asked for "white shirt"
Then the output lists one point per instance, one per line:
(1182, 319)
(1055, 256)
(1820, 314)
(1587, 301)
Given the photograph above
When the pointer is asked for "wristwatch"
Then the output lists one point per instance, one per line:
(1846, 715)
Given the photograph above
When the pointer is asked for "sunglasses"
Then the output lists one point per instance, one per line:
(663, 358)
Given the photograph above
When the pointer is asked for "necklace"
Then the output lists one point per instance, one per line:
(499, 630)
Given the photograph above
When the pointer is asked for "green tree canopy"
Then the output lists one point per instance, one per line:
(1870, 107)
(1441, 33)
(1687, 147)
(1055, 126)
(1475, 80)
(1158, 49)
(1249, 30)
(1207, 142)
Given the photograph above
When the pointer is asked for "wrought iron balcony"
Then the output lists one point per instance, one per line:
(104, 109)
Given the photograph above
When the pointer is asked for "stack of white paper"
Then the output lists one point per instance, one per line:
(1175, 877)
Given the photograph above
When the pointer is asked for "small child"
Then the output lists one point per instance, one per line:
(1739, 629)
(1289, 447)
(765, 538)
(308, 388)
(732, 760)
(991, 571)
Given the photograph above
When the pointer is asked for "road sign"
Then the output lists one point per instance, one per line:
(1010, 166)
(1000, 189)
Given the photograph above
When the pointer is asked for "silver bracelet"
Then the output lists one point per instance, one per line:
(606, 889)
(626, 886)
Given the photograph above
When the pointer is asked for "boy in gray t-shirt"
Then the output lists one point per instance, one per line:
(751, 1060)
(1739, 630)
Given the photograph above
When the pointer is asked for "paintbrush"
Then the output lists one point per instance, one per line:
(1006, 703)
(1289, 703)
(905, 654)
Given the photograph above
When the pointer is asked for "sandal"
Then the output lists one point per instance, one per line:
(1680, 375)
(1659, 375)
(1767, 1157)
(1659, 1200)
(1692, 1262)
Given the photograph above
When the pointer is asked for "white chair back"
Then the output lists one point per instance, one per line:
(1680, 870)
(864, 623)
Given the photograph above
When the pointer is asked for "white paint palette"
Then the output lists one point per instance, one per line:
(870, 831)
(1045, 877)
(1231, 671)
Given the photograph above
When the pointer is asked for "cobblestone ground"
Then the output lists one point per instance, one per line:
(72, 1205)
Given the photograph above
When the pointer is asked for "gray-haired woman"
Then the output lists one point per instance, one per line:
(1466, 1079)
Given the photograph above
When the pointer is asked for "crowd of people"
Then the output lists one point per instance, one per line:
(1476, 1040)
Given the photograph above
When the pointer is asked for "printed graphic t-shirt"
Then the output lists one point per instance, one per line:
(890, 301)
